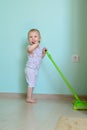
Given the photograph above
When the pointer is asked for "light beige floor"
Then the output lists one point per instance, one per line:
(16, 114)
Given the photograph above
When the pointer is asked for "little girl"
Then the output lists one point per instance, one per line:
(35, 55)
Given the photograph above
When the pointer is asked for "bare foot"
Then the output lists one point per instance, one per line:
(31, 101)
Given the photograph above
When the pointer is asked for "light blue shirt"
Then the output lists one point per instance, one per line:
(34, 59)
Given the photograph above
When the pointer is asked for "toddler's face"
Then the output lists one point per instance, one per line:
(34, 37)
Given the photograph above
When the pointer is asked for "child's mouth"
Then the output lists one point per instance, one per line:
(33, 42)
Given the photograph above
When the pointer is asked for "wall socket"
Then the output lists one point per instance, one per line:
(75, 58)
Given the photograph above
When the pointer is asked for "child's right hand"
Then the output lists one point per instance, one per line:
(32, 47)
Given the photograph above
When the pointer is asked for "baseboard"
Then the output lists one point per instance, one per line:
(42, 96)
(12, 95)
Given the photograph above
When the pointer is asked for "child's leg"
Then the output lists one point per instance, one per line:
(31, 78)
(29, 95)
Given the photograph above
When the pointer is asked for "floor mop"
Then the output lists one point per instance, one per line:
(77, 104)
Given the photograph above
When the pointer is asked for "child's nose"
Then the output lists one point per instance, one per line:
(32, 38)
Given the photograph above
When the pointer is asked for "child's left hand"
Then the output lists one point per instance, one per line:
(44, 52)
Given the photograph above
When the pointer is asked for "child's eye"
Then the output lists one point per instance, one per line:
(30, 37)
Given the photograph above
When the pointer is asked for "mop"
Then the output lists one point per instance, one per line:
(77, 104)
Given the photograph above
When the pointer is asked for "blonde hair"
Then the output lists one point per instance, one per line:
(34, 30)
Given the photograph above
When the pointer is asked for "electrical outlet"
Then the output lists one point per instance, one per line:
(75, 58)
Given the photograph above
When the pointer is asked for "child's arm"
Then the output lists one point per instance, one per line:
(44, 52)
(32, 47)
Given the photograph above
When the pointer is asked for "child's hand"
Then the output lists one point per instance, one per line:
(44, 52)
(45, 49)
(32, 47)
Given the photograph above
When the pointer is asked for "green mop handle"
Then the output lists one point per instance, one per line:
(64, 78)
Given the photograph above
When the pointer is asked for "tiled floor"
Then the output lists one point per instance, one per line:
(16, 114)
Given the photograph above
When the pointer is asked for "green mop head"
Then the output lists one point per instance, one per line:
(79, 105)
